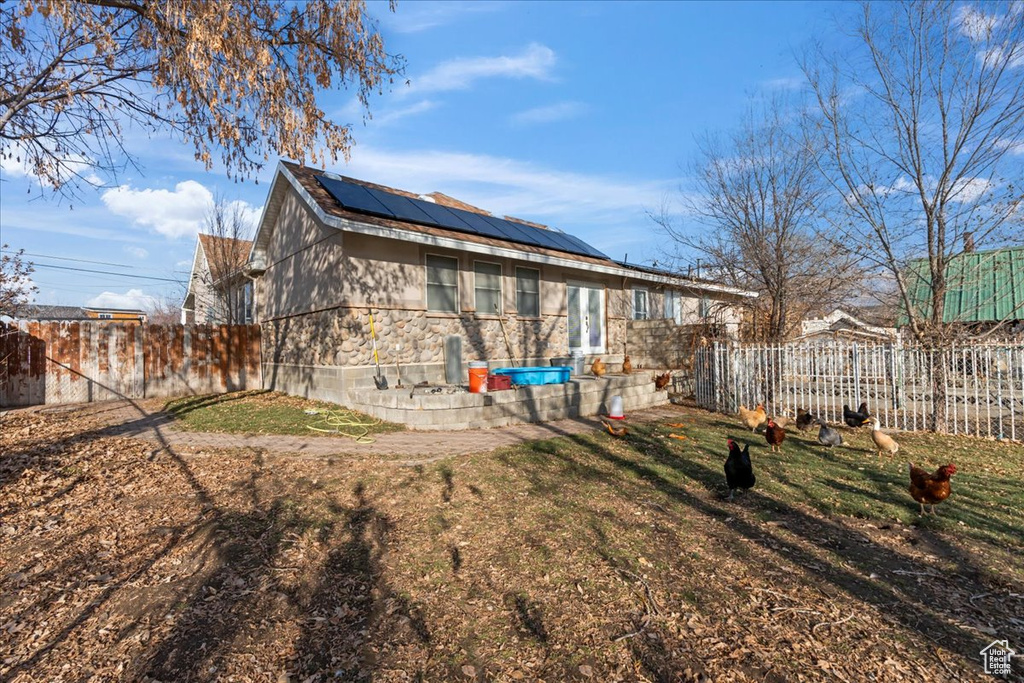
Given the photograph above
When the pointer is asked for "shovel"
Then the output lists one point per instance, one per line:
(380, 380)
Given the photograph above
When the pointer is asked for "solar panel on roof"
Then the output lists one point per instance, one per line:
(376, 202)
(582, 246)
(355, 197)
(552, 240)
(509, 230)
(403, 208)
(444, 216)
(479, 225)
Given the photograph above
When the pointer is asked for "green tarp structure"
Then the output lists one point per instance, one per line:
(983, 286)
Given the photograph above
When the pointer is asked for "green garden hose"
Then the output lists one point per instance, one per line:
(348, 423)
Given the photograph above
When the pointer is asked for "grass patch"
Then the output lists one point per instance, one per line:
(585, 557)
(987, 504)
(265, 412)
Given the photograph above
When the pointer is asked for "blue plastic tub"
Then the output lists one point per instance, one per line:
(531, 376)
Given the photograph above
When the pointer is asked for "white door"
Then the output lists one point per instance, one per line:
(586, 318)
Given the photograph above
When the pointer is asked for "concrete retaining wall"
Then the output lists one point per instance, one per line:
(580, 397)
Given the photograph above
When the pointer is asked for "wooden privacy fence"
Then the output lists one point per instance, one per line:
(72, 362)
(965, 389)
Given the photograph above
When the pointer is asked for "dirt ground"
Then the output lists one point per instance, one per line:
(579, 558)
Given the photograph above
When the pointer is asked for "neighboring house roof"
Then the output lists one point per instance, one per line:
(840, 322)
(45, 312)
(224, 255)
(981, 286)
(334, 214)
(220, 258)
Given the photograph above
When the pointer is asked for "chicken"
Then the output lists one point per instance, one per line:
(827, 436)
(599, 368)
(615, 431)
(774, 435)
(753, 418)
(662, 381)
(804, 420)
(783, 420)
(856, 418)
(930, 489)
(627, 366)
(883, 442)
(739, 472)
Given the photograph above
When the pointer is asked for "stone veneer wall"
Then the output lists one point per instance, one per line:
(660, 343)
(324, 354)
(341, 337)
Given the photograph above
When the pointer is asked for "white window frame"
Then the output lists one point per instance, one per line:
(426, 283)
(519, 311)
(674, 305)
(704, 307)
(501, 289)
(647, 304)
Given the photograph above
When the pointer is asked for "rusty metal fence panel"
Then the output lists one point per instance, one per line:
(72, 362)
(974, 389)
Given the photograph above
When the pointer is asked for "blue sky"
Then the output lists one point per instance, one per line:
(577, 115)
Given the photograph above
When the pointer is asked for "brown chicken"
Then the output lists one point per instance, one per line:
(627, 366)
(774, 435)
(753, 418)
(615, 431)
(662, 381)
(930, 489)
(599, 368)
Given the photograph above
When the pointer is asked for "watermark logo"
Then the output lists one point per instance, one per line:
(997, 657)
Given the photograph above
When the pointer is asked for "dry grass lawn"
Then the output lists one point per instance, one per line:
(584, 558)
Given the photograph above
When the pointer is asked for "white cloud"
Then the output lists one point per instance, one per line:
(536, 62)
(1012, 56)
(414, 17)
(173, 213)
(137, 252)
(517, 188)
(15, 163)
(177, 213)
(975, 24)
(133, 298)
(549, 114)
(785, 83)
(397, 114)
(968, 190)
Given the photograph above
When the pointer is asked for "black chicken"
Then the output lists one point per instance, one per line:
(739, 472)
(828, 436)
(856, 418)
(804, 419)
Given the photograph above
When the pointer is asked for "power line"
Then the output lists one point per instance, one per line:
(107, 272)
(66, 258)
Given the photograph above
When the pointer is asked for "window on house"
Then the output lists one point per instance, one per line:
(705, 307)
(442, 284)
(106, 316)
(247, 296)
(487, 283)
(673, 306)
(640, 304)
(528, 292)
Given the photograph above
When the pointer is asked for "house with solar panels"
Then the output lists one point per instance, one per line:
(445, 281)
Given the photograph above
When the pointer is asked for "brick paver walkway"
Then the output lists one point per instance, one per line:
(143, 420)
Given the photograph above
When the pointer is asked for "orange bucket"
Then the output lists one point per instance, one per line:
(478, 377)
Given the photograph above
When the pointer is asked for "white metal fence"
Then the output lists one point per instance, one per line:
(966, 389)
